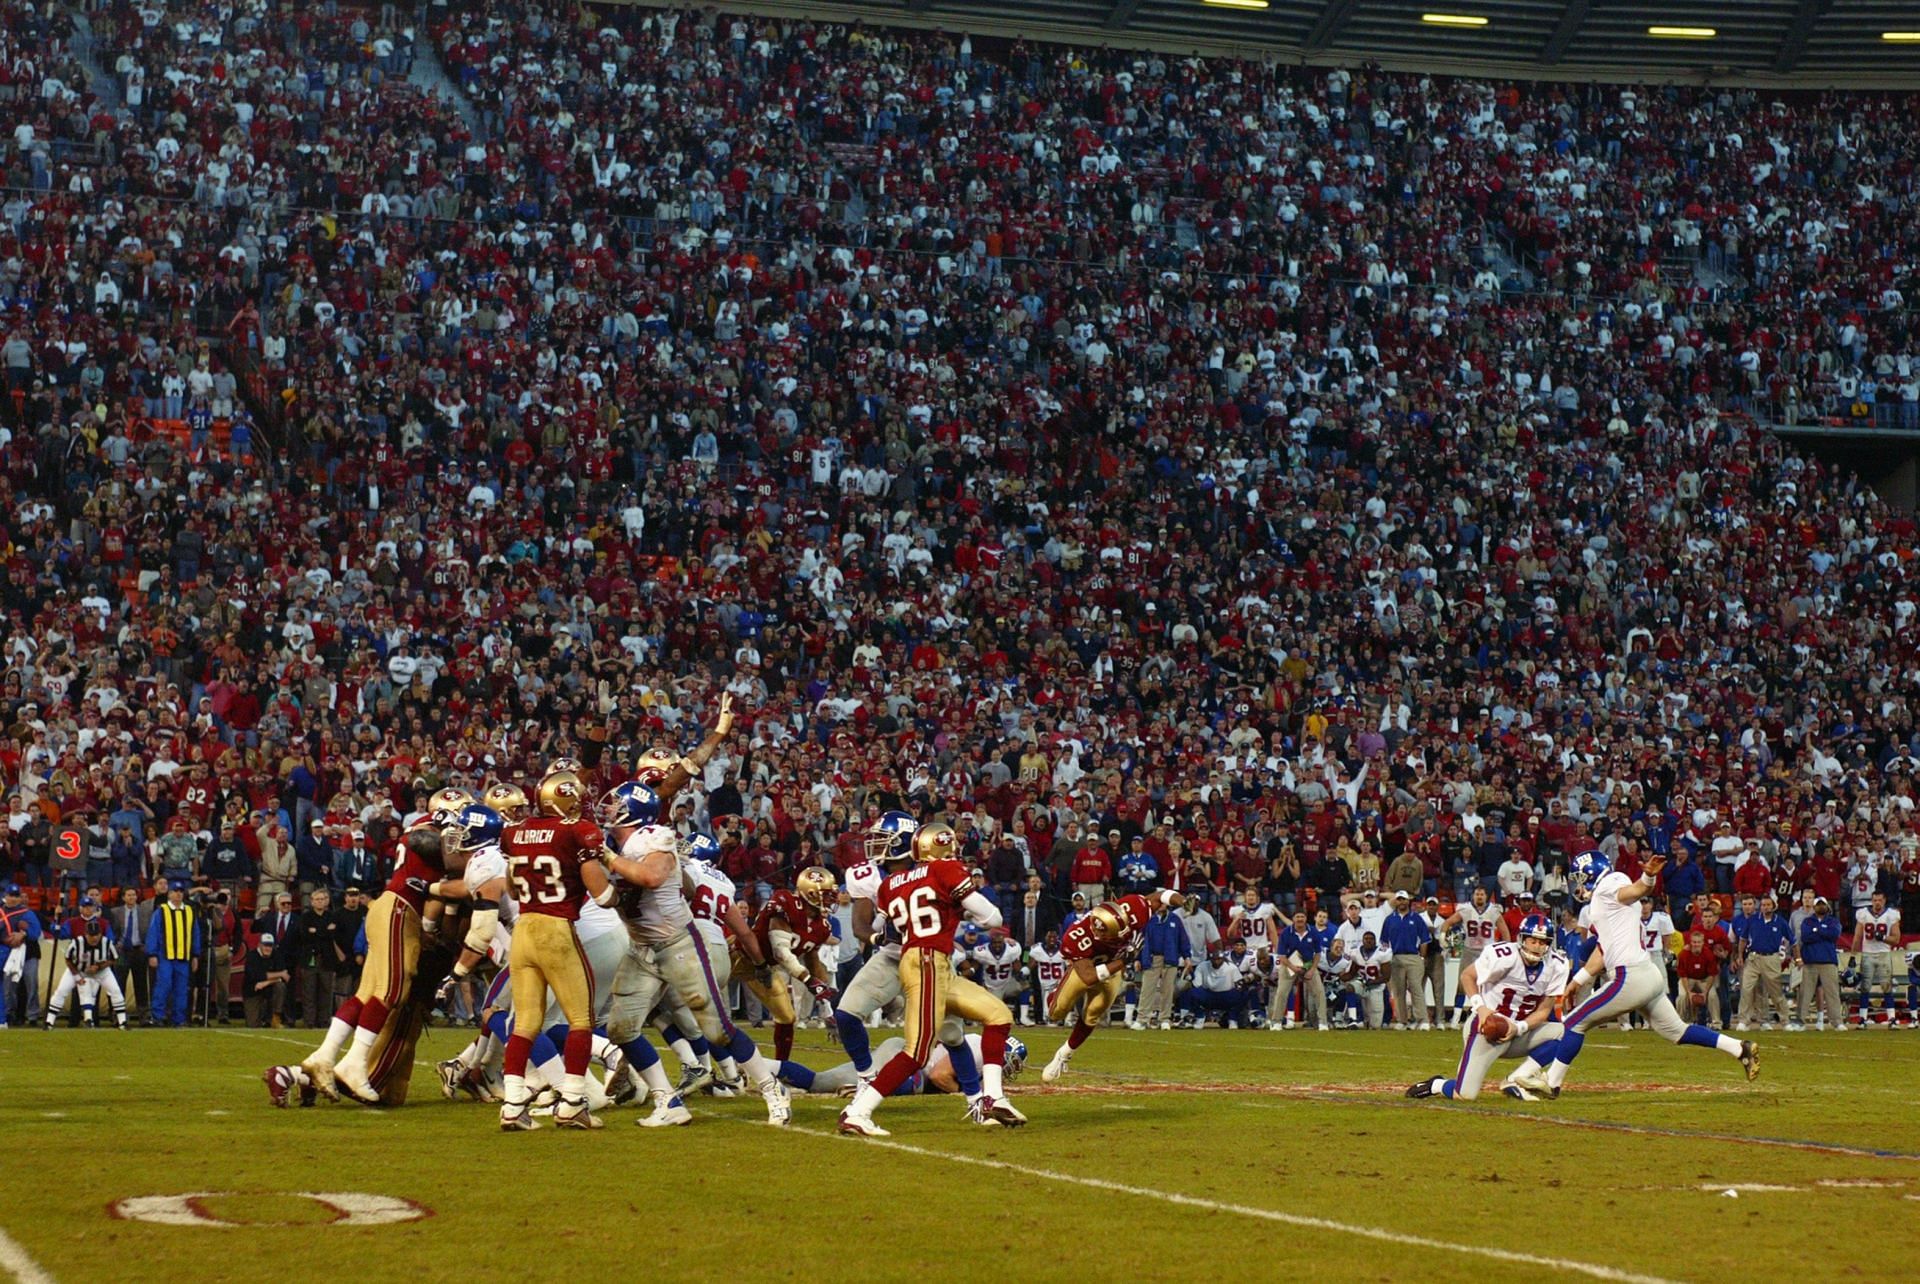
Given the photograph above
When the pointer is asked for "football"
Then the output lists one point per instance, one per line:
(1495, 1028)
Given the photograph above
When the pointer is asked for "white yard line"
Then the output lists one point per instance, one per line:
(20, 1262)
(1302, 1221)
(270, 1038)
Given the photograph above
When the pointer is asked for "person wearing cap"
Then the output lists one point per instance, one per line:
(1093, 869)
(264, 987)
(1405, 935)
(19, 952)
(1819, 950)
(313, 857)
(1761, 932)
(177, 852)
(279, 870)
(356, 865)
(90, 955)
(173, 955)
(1433, 959)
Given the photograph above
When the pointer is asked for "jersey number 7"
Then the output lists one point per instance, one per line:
(916, 914)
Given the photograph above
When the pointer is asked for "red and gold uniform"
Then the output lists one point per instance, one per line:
(393, 934)
(1086, 951)
(544, 859)
(923, 903)
(786, 911)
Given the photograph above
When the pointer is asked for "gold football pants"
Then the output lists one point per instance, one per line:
(393, 951)
(775, 995)
(933, 989)
(1100, 996)
(546, 953)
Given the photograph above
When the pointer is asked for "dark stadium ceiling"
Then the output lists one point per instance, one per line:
(1813, 42)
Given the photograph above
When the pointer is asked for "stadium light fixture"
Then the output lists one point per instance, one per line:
(1901, 37)
(1683, 33)
(1236, 4)
(1453, 20)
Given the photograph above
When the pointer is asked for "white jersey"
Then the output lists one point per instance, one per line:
(1477, 927)
(1617, 925)
(1349, 934)
(1256, 925)
(1656, 929)
(998, 972)
(483, 866)
(1049, 967)
(1512, 988)
(1374, 967)
(654, 915)
(863, 884)
(710, 894)
(1879, 932)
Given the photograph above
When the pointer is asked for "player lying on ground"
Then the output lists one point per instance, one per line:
(1635, 983)
(1510, 993)
(938, 1076)
(1097, 948)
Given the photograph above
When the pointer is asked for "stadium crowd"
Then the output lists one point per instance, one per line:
(1154, 465)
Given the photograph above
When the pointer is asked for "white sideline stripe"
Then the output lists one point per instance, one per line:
(17, 1260)
(270, 1038)
(1263, 1214)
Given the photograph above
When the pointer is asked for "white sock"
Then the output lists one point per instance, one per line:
(552, 1071)
(655, 1077)
(865, 1101)
(725, 1068)
(1557, 1073)
(990, 1082)
(516, 1090)
(338, 1032)
(756, 1070)
(602, 1048)
(596, 1096)
(683, 1050)
(573, 1087)
(1728, 1045)
(472, 1055)
(1130, 1012)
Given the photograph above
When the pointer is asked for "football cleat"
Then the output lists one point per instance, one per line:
(692, 1079)
(279, 1085)
(1002, 1112)
(1513, 1090)
(1425, 1088)
(517, 1118)
(854, 1125)
(451, 1072)
(573, 1113)
(354, 1080)
(321, 1073)
(1533, 1077)
(478, 1083)
(779, 1104)
(668, 1112)
(1056, 1067)
(1750, 1059)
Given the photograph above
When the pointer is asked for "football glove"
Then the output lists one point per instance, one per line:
(823, 992)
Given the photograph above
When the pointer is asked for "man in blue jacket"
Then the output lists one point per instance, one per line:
(1406, 936)
(1763, 936)
(1296, 951)
(173, 953)
(1685, 881)
(19, 957)
(1164, 955)
(1820, 963)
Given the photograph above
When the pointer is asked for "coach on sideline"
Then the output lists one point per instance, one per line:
(1405, 934)
(1163, 958)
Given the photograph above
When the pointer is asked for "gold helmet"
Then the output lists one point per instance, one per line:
(1105, 924)
(562, 794)
(451, 799)
(935, 842)
(565, 764)
(654, 765)
(817, 888)
(510, 800)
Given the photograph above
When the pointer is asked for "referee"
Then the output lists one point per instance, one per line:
(91, 955)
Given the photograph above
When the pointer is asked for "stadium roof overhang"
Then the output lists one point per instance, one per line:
(1786, 43)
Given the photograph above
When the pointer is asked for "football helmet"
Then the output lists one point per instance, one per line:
(1104, 923)
(561, 794)
(891, 837)
(565, 764)
(510, 800)
(935, 842)
(1589, 867)
(474, 827)
(1536, 938)
(629, 806)
(654, 765)
(1016, 1058)
(451, 799)
(701, 848)
(817, 888)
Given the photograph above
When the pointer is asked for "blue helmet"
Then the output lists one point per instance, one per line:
(703, 848)
(629, 806)
(1589, 867)
(476, 826)
(891, 837)
(1016, 1058)
(1536, 929)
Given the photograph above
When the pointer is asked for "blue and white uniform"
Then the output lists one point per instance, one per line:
(1514, 988)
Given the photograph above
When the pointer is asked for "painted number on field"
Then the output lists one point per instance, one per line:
(349, 1208)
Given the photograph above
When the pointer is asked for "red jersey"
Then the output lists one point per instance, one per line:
(924, 903)
(411, 874)
(544, 856)
(801, 921)
(1080, 942)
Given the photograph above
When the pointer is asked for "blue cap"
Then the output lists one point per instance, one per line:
(88, 902)
(177, 885)
(13, 889)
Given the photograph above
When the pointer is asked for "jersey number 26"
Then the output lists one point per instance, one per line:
(917, 913)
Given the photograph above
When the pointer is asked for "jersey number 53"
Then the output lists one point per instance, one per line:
(546, 886)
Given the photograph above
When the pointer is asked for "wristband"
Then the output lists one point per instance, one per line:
(1101, 970)
(1475, 1002)
(461, 969)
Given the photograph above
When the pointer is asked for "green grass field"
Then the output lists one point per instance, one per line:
(1163, 1156)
